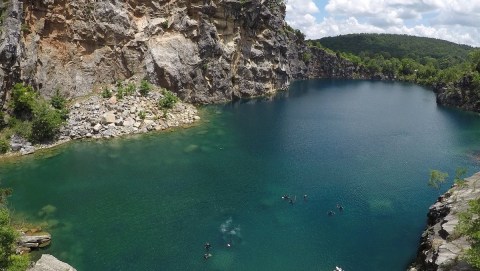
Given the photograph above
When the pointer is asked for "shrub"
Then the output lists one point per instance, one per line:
(4, 146)
(142, 115)
(130, 89)
(145, 88)
(8, 238)
(21, 128)
(106, 93)
(168, 100)
(470, 226)
(58, 101)
(46, 123)
(3, 123)
(23, 100)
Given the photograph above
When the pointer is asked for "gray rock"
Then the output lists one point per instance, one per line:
(108, 117)
(50, 263)
(97, 127)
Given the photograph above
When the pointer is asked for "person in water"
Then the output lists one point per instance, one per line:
(207, 246)
(207, 255)
(330, 213)
(285, 197)
(305, 197)
(339, 207)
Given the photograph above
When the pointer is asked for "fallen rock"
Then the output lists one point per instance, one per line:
(108, 117)
(50, 263)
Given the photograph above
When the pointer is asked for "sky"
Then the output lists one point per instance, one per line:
(453, 20)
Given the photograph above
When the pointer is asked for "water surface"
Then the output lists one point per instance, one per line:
(150, 202)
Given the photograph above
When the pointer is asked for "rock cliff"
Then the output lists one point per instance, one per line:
(204, 50)
(441, 247)
(461, 94)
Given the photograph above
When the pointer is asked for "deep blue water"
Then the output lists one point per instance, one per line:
(150, 202)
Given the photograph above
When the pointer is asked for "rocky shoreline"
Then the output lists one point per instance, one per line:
(441, 247)
(95, 117)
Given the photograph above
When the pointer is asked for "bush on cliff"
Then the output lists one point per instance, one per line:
(4, 146)
(145, 87)
(168, 101)
(46, 123)
(470, 226)
(24, 98)
(8, 237)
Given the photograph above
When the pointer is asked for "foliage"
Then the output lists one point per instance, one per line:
(4, 146)
(459, 180)
(58, 101)
(306, 57)
(8, 236)
(106, 93)
(19, 127)
(399, 46)
(130, 89)
(46, 123)
(23, 100)
(142, 115)
(470, 226)
(145, 87)
(3, 123)
(164, 24)
(168, 100)
(437, 178)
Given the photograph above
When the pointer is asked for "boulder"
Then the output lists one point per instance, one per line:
(108, 117)
(50, 263)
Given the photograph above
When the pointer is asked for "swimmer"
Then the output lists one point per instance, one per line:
(330, 213)
(339, 207)
(285, 197)
(207, 246)
(207, 255)
(229, 245)
(305, 197)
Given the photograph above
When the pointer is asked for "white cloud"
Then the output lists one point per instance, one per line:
(454, 20)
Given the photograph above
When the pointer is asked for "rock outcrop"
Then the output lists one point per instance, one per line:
(50, 263)
(461, 94)
(205, 51)
(441, 247)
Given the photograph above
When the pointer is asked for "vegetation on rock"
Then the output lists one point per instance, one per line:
(452, 70)
(8, 236)
(31, 116)
(168, 100)
(145, 87)
(470, 226)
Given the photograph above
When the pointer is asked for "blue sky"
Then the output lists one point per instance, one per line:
(454, 20)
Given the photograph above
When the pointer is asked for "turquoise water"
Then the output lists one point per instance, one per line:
(151, 202)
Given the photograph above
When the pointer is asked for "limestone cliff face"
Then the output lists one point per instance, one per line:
(204, 50)
(441, 247)
(462, 94)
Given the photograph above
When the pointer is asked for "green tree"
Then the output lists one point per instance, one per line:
(459, 179)
(437, 178)
(58, 101)
(4, 146)
(23, 100)
(46, 123)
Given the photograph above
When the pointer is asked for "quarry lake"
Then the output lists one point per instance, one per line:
(150, 202)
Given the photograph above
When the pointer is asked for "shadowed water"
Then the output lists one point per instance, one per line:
(151, 202)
